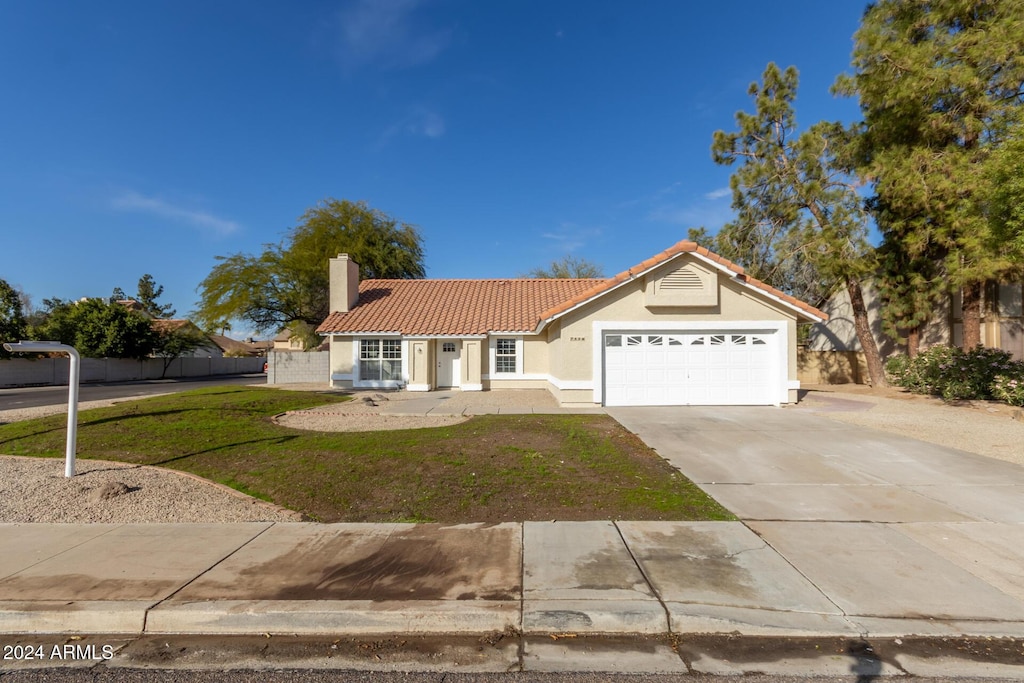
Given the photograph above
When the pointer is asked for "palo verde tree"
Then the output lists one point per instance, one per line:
(569, 267)
(288, 284)
(12, 317)
(793, 200)
(940, 85)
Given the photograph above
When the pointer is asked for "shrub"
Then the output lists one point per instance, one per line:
(955, 374)
(1010, 387)
(896, 368)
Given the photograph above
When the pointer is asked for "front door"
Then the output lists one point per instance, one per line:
(448, 367)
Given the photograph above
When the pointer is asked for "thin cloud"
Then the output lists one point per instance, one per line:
(420, 122)
(386, 33)
(652, 197)
(569, 237)
(133, 201)
(691, 216)
(718, 194)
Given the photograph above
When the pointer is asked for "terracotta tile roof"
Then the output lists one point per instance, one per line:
(234, 346)
(438, 307)
(679, 248)
(166, 325)
(435, 307)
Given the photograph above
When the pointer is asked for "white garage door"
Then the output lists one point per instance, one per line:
(698, 368)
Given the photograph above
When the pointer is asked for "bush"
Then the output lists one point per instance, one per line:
(1010, 388)
(955, 374)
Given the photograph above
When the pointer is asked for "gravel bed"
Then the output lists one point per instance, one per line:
(36, 490)
(363, 414)
(985, 428)
(327, 421)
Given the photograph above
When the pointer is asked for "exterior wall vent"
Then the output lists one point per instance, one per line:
(683, 280)
(686, 286)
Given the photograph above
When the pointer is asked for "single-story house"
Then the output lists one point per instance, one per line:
(234, 348)
(1002, 322)
(686, 326)
(286, 340)
(175, 326)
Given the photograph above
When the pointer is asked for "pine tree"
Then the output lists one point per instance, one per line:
(794, 201)
(940, 86)
(148, 293)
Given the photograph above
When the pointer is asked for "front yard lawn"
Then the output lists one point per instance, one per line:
(492, 468)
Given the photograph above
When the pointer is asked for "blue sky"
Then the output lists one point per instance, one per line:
(150, 137)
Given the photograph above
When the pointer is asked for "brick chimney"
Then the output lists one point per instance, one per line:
(344, 275)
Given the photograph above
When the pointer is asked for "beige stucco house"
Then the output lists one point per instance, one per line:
(1002, 322)
(684, 327)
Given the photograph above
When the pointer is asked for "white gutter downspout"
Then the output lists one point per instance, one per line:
(57, 347)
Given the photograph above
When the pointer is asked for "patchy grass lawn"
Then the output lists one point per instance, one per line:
(492, 468)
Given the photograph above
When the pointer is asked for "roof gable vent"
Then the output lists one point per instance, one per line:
(686, 285)
(685, 279)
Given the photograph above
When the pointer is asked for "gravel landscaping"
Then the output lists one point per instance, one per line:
(36, 490)
(363, 414)
(982, 427)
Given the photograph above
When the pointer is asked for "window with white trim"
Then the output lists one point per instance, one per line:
(505, 356)
(380, 359)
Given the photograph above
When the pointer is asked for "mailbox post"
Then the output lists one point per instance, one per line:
(57, 347)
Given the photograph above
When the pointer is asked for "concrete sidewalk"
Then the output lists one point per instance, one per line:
(534, 577)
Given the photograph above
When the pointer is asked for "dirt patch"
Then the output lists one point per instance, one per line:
(491, 468)
(421, 562)
(747, 651)
(496, 651)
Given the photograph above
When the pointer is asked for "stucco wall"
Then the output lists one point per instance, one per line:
(535, 355)
(831, 367)
(341, 356)
(474, 359)
(839, 333)
(419, 363)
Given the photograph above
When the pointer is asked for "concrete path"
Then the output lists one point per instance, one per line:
(772, 578)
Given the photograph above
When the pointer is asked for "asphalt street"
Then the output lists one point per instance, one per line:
(33, 397)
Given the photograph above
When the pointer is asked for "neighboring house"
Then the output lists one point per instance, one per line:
(684, 327)
(1002, 322)
(208, 350)
(286, 340)
(133, 305)
(234, 348)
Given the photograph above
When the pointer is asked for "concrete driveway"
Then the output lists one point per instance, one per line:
(885, 526)
(768, 463)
